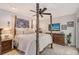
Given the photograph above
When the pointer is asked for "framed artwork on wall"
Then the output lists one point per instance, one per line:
(64, 27)
(21, 23)
(77, 20)
(70, 24)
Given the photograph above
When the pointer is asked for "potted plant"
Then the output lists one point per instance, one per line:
(69, 39)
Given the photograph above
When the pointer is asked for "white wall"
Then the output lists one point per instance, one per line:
(6, 16)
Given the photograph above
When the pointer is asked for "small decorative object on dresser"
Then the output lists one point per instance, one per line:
(6, 36)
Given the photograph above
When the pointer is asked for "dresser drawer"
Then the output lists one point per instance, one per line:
(6, 43)
(58, 38)
(6, 46)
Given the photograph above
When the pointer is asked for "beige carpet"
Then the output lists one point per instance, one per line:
(60, 50)
(13, 52)
(57, 50)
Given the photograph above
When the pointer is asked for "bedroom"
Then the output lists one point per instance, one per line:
(20, 17)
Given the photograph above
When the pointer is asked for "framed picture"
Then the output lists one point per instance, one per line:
(64, 27)
(70, 24)
(77, 20)
(21, 23)
(54, 27)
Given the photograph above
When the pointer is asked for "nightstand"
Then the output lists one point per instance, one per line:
(6, 46)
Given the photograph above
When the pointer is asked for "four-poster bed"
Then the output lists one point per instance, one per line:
(39, 45)
(14, 28)
(41, 40)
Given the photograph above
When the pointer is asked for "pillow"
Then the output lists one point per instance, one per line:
(19, 31)
(29, 31)
(24, 31)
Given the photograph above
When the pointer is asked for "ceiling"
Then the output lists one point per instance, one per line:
(57, 9)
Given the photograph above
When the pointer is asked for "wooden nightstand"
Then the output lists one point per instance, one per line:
(6, 46)
(0, 39)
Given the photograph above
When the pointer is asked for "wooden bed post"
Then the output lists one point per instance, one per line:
(14, 28)
(37, 29)
(51, 30)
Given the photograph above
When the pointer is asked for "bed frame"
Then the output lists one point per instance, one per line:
(37, 28)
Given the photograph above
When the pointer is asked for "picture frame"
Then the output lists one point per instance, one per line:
(22, 23)
(64, 27)
(54, 27)
(70, 24)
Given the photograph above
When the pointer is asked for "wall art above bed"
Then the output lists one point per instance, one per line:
(22, 23)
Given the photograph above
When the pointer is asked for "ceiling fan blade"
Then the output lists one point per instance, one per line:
(32, 11)
(40, 11)
(46, 13)
(34, 15)
(41, 15)
(43, 10)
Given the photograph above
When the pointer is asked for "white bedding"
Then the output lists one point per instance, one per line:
(27, 42)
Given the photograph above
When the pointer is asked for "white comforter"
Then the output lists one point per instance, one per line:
(27, 42)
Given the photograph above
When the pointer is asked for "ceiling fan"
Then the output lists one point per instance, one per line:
(41, 12)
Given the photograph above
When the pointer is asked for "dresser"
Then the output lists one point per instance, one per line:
(58, 38)
(6, 46)
(0, 39)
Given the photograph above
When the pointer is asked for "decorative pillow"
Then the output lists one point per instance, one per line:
(29, 31)
(24, 31)
(19, 31)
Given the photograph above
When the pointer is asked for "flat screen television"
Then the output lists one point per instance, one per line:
(55, 27)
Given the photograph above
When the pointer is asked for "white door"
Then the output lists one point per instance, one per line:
(77, 33)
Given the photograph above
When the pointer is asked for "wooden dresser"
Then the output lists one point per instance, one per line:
(6, 46)
(0, 39)
(58, 38)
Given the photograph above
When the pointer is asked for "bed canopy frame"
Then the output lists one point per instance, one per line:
(37, 27)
